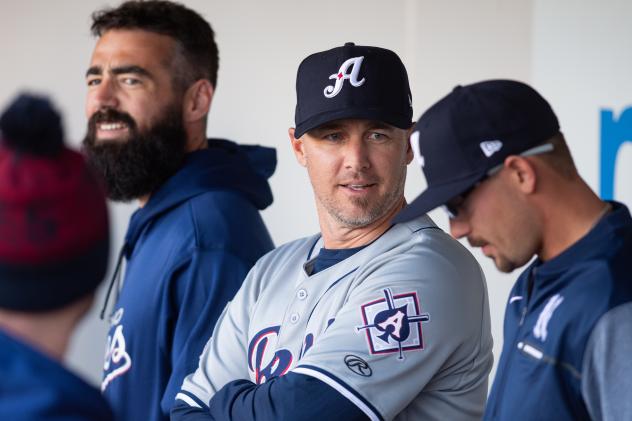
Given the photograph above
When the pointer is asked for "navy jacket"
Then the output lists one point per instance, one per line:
(187, 252)
(568, 332)
(34, 387)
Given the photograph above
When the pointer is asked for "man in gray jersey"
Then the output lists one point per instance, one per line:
(366, 319)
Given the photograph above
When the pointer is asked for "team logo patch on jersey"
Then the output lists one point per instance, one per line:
(117, 360)
(393, 323)
(263, 360)
(541, 328)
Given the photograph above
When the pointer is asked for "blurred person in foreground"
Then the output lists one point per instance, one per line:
(54, 244)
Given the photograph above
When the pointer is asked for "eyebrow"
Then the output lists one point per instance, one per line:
(326, 127)
(373, 125)
(378, 125)
(97, 70)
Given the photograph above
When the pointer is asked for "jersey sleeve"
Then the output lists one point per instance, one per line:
(291, 397)
(224, 356)
(200, 290)
(606, 368)
(417, 323)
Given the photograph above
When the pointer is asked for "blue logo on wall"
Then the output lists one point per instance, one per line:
(614, 133)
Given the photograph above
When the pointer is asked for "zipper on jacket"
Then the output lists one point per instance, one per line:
(514, 345)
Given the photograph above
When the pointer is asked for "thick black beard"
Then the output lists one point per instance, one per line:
(141, 164)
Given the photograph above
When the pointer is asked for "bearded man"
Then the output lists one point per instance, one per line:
(198, 229)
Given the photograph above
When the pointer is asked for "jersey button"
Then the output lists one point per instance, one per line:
(294, 317)
(301, 294)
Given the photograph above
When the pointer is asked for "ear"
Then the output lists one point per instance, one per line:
(522, 173)
(409, 149)
(297, 147)
(197, 100)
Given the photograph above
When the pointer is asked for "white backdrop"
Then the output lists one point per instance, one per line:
(574, 52)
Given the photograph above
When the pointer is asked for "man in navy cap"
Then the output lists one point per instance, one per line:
(493, 154)
(364, 319)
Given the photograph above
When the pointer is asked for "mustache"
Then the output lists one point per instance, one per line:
(359, 178)
(476, 242)
(142, 163)
(111, 115)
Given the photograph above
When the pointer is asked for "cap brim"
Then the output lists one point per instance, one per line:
(378, 114)
(436, 196)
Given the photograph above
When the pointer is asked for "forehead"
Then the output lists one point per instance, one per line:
(133, 47)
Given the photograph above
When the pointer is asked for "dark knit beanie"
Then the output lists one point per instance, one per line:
(54, 235)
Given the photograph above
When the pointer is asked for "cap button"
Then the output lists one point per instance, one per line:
(349, 44)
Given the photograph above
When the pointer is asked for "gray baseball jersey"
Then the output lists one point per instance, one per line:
(401, 328)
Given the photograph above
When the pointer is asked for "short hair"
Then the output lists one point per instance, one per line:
(194, 36)
(560, 158)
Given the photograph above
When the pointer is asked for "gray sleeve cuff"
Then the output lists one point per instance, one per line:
(607, 366)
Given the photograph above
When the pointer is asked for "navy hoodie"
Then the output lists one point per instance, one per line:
(187, 252)
(35, 387)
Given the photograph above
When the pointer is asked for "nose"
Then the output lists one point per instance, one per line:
(357, 154)
(459, 227)
(102, 96)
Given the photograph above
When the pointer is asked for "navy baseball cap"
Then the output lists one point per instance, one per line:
(471, 131)
(352, 81)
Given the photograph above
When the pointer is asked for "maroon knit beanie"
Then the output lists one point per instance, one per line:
(54, 235)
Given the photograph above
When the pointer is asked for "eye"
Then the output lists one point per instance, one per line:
(453, 207)
(378, 136)
(458, 203)
(333, 137)
(93, 81)
(130, 81)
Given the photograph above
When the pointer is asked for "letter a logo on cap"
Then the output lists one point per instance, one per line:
(490, 147)
(341, 75)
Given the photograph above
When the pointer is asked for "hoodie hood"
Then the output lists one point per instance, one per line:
(224, 165)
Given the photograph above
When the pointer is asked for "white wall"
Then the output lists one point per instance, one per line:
(46, 46)
(582, 63)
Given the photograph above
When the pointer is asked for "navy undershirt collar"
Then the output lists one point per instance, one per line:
(329, 257)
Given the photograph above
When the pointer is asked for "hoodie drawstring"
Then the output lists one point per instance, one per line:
(115, 276)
